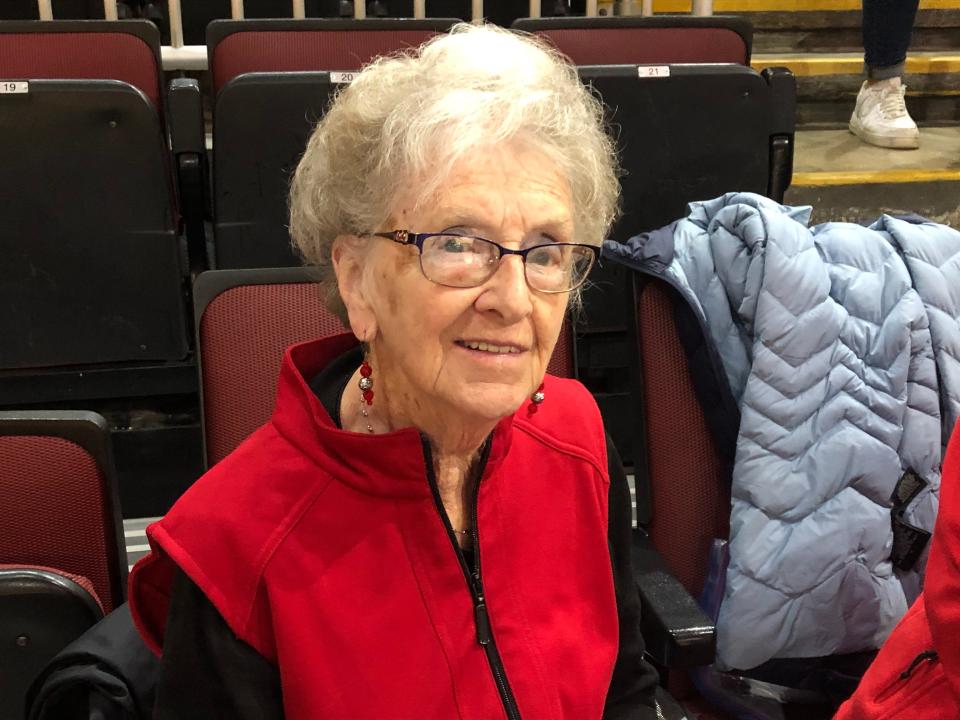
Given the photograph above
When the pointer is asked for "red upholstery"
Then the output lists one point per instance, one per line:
(53, 511)
(78, 579)
(305, 50)
(562, 361)
(80, 56)
(243, 333)
(690, 486)
(648, 45)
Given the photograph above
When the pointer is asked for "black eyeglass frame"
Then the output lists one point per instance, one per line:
(405, 237)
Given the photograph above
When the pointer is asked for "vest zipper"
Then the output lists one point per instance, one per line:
(481, 617)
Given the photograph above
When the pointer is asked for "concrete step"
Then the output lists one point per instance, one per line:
(846, 179)
(827, 85)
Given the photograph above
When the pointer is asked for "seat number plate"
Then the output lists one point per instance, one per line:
(14, 88)
(653, 71)
(342, 78)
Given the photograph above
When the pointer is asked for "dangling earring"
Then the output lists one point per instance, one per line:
(366, 391)
(535, 400)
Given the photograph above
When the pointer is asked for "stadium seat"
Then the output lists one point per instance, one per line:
(635, 40)
(245, 320)
(265, 75)
(127, 50)
(92, 275)
(684, 471)
(247, 317)
(692, 132)
(695, 132)
(62, 558)
(197, 16)
(252, 169)
(240, 46)
(91, 227)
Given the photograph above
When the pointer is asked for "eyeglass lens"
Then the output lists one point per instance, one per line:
(462, 261)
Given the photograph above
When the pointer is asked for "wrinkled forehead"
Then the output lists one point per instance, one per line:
(489, 189)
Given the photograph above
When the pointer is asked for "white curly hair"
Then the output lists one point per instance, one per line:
(410, 117)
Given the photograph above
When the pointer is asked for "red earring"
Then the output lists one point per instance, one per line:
(535, 400)
(366, 382)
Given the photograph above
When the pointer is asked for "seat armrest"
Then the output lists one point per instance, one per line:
(185, 107)
(676, 631)
(783, 90)
(188, 146)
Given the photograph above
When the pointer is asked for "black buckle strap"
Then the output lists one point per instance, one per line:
(909, 541)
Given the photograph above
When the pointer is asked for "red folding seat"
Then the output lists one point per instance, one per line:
(127, 50)
(273, 73)
(62, 558)
(92, 227)
(654, 40)
(241, 46)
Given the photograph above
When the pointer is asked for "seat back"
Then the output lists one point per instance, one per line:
(241, 46)
(682, 481)
(655, 40)
(683, 493)
(91, 271)
(688, 133)
(252, 169)
(60, 504)
(41, 612)
(246, 319)
(125, 50)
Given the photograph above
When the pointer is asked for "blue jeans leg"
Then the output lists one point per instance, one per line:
(887, 26)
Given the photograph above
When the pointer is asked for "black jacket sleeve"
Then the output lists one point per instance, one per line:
(634, 682)
(206, 671)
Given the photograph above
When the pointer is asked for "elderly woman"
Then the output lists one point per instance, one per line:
(425, 528)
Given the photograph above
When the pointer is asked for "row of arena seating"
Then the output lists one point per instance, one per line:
(61, 538)
(99, 283)
(118, 287)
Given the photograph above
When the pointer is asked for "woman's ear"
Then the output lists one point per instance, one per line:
(348, 255)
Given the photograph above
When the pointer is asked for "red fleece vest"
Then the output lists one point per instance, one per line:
(916, 675)
(325, 551)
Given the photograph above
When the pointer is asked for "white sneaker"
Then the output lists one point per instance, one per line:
(881, 117)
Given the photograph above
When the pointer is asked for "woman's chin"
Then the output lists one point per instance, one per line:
(491, 404)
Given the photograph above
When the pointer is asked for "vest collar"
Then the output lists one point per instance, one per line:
(390, 464)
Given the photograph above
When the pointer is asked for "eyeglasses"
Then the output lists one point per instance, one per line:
(464, 261)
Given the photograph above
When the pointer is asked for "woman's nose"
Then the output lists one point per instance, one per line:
(507, 292)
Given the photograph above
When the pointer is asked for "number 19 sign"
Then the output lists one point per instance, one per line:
(11, 87)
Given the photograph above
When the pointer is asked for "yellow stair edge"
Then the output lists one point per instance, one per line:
(819, 64)
(754, 6)
(873, 177)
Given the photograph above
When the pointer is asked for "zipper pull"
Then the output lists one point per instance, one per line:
(482, 620)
